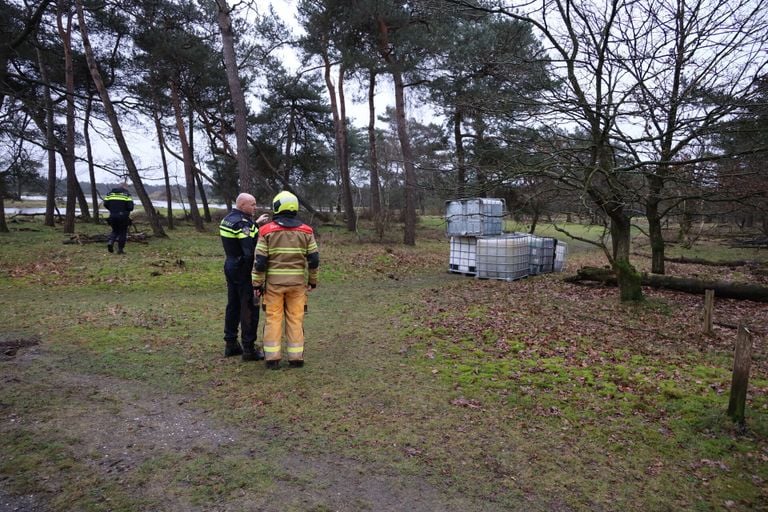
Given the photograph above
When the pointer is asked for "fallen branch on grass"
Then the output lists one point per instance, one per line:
(723, 289)
(701, 261)
(79, 238)
(753, 243)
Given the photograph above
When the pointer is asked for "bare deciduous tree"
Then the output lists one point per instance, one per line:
(691, 66)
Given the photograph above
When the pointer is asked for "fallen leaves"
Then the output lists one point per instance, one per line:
(466, 402)
(544, 317)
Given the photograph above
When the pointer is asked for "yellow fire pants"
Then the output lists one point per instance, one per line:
(284, 303)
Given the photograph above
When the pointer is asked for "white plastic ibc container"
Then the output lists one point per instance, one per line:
(474, 217)
(542, 252)
(505, 257)
(561, 250)
(463, 255)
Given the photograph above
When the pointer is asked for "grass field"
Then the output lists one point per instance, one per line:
(423, 390)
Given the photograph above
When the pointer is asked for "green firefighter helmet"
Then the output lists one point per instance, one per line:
(285, 202)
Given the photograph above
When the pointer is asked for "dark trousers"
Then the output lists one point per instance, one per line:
(119, 232)
(241, 309)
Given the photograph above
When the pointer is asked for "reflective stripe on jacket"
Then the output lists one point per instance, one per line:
(238, 233)
(118, 202)
(286, 255)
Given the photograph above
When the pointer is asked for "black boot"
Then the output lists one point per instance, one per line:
(296, 364)
(252, 354)
(273, 365)
(232, 348)
(110, 248)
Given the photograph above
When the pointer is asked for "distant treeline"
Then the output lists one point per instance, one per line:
(39, 187)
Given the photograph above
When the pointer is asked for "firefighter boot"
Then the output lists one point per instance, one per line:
(232, 348)
(296, 363)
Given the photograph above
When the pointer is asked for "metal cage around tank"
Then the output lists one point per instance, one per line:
(505, 257)
(475, 217)
(480, 248)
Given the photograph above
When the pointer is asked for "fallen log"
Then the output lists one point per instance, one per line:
(753, 243)
(723, 289)
(710, 263)
(101, 238)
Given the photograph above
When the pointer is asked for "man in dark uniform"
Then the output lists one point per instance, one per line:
(238, 236)
(120, 205)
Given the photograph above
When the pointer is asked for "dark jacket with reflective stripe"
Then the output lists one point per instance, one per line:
(118, 202)
(238, 236)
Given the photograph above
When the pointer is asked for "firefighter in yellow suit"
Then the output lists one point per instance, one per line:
(284, 271)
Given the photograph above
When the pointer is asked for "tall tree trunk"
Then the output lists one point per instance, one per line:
(181, 196)
(84, 208)
(133, 172)
(247, 180)
(461, 159)
(161, 143)
(655, 233)
(409, 215)
(409, 231)
(657, 179)
(349, 203)
(626, 274)
(198, 179)
(288, 153)
(89, 153)
(613, 206)
(189, 171)
(685, 222)
(203, 197)
(340, 133)
(620, 228)
(372, 156)
(69, 150)
(482, 181)
(3, 224)
(534, 220)
(50, 196)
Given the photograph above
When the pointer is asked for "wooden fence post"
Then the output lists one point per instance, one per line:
(709, 304)
(741, 362)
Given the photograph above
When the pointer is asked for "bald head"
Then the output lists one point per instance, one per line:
(246, 203)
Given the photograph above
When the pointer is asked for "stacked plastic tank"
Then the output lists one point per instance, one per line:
(463, 255)
(506, 256)
(475, 217)
(561, 250)
(480, 248)
(542, 252)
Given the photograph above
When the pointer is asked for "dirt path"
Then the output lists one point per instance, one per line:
(114, 427)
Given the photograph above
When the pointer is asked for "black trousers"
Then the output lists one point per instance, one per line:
(119, 232)
(241, 310)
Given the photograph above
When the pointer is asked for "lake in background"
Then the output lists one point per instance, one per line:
(177, 207)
